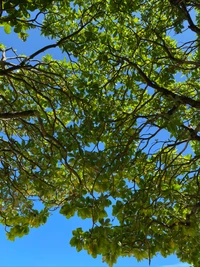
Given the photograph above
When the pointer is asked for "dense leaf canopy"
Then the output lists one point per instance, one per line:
(112, 131)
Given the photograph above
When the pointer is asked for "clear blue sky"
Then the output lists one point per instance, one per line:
(49, 244)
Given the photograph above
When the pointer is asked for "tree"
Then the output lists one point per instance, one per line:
(111, 132)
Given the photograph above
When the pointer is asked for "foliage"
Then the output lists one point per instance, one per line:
(111, 132)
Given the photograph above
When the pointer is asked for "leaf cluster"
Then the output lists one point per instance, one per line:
(111, 131)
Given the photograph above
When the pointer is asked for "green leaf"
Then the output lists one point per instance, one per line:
(7, 28)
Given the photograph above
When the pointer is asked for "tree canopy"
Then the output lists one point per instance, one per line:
(112, 131)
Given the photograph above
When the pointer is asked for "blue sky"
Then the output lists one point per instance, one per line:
(49, 244)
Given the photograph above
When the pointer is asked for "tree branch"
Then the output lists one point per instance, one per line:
(17, 115)
(179, 98)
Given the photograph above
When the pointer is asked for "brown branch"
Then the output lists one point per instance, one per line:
(17, 115)
(192, 26)
(62, 40)
(193, 133)
(24, 114)
(178, 98)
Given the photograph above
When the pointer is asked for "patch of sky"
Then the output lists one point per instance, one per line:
(99, 146)
(186, 41)
(32, 44)
(177, 265)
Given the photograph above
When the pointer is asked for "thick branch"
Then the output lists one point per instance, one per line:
(179, 98)
(192, 26)
(17, 115)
